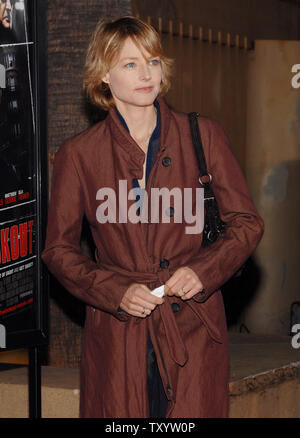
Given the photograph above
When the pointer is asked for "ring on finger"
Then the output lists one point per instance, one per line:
(143, 311)
(182, 291)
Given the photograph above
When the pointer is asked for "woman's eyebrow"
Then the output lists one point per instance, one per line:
(128, 57)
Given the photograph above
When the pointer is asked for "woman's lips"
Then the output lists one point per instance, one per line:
(145, 89)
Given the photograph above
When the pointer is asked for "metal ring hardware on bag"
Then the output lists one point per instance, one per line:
(210, 179)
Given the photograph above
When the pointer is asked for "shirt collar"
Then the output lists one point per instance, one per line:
(136, 156)
(156, 132)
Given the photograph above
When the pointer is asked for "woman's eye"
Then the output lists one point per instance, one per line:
(154, 61)
(130, 65)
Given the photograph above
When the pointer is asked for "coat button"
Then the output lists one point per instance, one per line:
(175, 307)
(166, 161)
(121, 311)
(170, 211)
(164, 263)
(169, 390)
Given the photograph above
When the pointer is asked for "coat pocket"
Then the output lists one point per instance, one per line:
(212, 314)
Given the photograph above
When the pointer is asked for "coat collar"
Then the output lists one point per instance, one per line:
(124, 140)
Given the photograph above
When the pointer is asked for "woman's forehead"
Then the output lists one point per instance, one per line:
(133, 49)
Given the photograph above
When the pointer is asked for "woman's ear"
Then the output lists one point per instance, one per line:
(105, 78)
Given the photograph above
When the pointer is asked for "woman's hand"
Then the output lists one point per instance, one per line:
(184, 283)
(138, 301)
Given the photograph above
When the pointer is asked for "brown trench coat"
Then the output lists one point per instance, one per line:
(191, 345)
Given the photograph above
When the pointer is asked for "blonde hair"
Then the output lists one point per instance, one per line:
(104, 47)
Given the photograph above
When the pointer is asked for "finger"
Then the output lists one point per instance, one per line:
(182, 286)
(138, 305)
(190, 285)
(141, 299)
(146, 288)
(141, 313)
(191, 293)
(174, 290)
(183, 277)
(136, 310)
(170, 283)
(145, 295)
(168, 291)
(196, 287)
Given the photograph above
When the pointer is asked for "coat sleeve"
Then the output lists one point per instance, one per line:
(62, 254)
(217, 263)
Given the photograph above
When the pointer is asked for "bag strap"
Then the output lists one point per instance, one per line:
(197, 142)
(205, 178)
(213, 224)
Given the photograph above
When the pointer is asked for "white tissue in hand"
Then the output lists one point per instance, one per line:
(159, 291)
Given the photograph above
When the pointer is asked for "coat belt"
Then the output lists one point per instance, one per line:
(176, 345)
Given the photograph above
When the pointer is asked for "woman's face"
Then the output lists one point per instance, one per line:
(135, 78)
(5, 13)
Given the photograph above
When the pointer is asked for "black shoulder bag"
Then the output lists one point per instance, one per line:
(213, 225)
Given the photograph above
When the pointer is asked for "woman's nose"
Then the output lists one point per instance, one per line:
(145, 73)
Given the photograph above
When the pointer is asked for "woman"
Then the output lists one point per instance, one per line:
(145, 355)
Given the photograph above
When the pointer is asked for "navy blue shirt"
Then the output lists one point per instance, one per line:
(153, 147)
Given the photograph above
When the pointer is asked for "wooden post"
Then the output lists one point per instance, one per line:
(181, 29)
(228, 37)
(219, 38)
(201, 33)
(160, 24)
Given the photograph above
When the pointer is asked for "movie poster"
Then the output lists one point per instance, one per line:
(18, 163)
